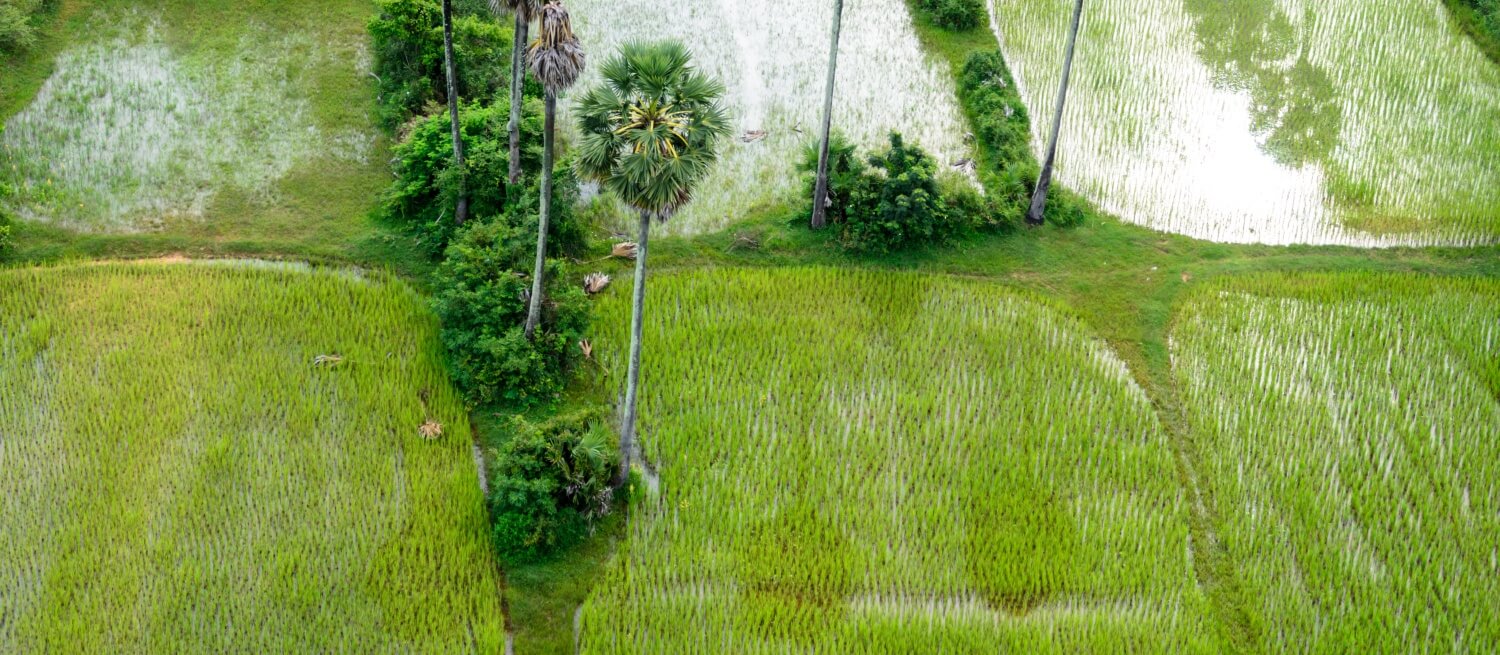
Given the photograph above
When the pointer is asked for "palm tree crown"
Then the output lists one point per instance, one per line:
(526, 9)
(556, 56)
(651, 129)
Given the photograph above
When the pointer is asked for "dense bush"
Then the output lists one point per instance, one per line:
(958, 15)
(426, 187)
(480, 296)
(5, 239)
(893, 199)
(18, 22)
(550, 483)
(408, 43)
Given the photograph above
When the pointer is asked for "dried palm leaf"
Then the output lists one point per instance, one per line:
(624, 250)
(555, 56)
(431, 430)
(595, 282)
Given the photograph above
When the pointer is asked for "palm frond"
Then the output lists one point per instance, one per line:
(556, 57)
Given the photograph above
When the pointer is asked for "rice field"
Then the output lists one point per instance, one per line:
(228, 459)
(135, 128)
(869, 462)
(1350, 431)
(1358, 122)
(773, 57)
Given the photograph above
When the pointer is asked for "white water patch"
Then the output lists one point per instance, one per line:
(1161, 138)
(773, 57)
(128, 132)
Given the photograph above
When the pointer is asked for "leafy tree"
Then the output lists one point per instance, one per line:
(650, 132)
(845, 172)
(409, 55)
(481, 300)
(18, 22)
(557, 61)
(550, 482)
(425, 186)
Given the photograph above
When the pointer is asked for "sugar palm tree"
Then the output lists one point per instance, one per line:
(820, 191)
(461, 213)
(1044, 182)
(557, 60)
(525, 11)
(650, 133)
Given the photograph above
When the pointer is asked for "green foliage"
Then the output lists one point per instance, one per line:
(1481, 19)
(893, 200)
(480, 297)
(957, 15)
(997, 114)
(18, 22)
(426, 187)
(651, 129)
(408, 42)
(550, 482)
(5, 238)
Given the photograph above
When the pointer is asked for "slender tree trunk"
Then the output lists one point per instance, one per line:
(461, 214)
(533, 315)
(633, 379)
(517, 86)
(1044, 183)
(820, 193)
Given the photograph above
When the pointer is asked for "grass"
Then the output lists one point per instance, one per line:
(212, 485)
(1480, 19)
(314, 205)
(1349, 425)
(879, 445)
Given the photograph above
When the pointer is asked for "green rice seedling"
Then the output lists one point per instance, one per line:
(132, 130)
(872, 462)
(183, 470)
(1359, 122)
(1349, 430)
(773, 58)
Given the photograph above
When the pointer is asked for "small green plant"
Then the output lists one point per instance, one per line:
(550, 482)
(481, 298)
(956, 15)
(18, 22)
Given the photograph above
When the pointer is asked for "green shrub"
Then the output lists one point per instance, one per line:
(550, 482)
(846, 177)
(408, 42)
(481, 292)
(5, 238)
(18, 22)
(897, 204)
(426, 187)
(1001, 123)
(957, 15)
(1481, 19)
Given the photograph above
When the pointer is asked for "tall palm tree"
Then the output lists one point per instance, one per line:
(557, 60)
(650, 133)
(1044, 183)
(525, 11)
(820, 191)
(462, 212)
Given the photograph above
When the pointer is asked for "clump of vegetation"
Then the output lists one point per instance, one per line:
(1481, 19)
(894, 199)
(408, 43)
(956, 15)
(18, 22)
(5, 238)
(481, 294)
(427, 184)
(550, 482)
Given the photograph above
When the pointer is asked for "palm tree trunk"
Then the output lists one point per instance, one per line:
(534, 313)
(633, 378)
(461, 214)
(1044, 183)
(820, 193)
(517, 85)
